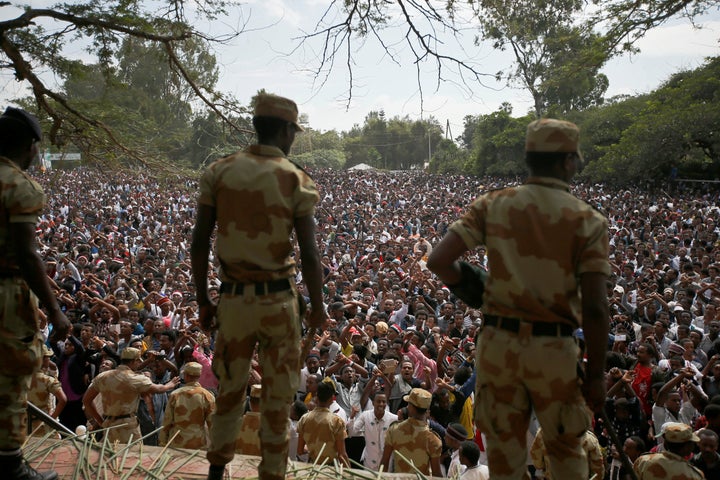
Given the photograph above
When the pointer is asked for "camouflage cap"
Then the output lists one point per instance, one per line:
(419, 397)
(193, 369)
(675, 432)
(267, 105)
(130, 353)
(551, 135)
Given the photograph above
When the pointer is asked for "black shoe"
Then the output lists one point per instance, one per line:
(216, 472)
(26, 472)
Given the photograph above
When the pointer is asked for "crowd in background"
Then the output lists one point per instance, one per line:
(117, 249)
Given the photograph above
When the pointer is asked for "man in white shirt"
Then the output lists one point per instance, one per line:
(372, 424)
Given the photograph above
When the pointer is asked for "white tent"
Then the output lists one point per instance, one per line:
(362, 166)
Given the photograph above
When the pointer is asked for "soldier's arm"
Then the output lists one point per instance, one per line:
(443, 259)
(311, 267)
(200, 250)
(385, 461)
(168, 421)
(32, 269)
(435, 467)
(60, 401)
(595, 315)
(90, 411)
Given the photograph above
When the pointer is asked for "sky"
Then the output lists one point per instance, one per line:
(383, 84)
(269, 54)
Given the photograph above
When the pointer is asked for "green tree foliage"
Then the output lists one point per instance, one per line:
(395, 144)
(556, 61)
(675, 127)
(148, 48)
(498, 144)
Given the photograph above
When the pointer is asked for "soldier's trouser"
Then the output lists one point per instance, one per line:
(272, 321)
(20, 356)
(125, 429)
(519, 372)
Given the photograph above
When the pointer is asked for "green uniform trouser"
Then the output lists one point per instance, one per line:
(272, 322)
(20, 356)
(517, 373)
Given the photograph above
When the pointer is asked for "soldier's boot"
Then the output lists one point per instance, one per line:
(216, 472)
(19, 469)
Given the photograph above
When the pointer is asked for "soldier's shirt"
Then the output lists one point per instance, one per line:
(187, 412)
(257, 194)
(248, 441)
(319, 428)
(416, 442)
(121, 389)
(41, 387)
(665, 465)
(21, 201)
(539, 239)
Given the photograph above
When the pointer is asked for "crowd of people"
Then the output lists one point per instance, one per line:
(399, 344)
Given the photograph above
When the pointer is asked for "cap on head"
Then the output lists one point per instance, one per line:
(268, 105)
(675, 432)
(419, 397)
(457, 431)
(25, 118)
(130, 353)
(551, 135)
(193, 369)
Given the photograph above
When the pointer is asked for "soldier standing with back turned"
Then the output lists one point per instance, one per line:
(257, 198)
(548, 263)
(22, 283)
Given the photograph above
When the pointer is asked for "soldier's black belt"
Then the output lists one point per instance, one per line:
(261, 288)
(539, 329)
(118, 417)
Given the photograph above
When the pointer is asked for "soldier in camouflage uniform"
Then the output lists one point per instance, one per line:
(41, 388)
(121, 389)
(322, 431)
(257, 198)
(248, 440)
(413, 439)
(548, 263)
(591, 445)
(670, 464)
(23, 282)
(188, 412)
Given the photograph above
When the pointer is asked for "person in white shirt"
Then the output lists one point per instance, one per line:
(469, 456)
(372, 424)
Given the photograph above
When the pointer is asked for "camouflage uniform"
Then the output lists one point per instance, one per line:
(590, 444)
(21, 200)
(539, 240)
(319, 428)
(665, 465)
(248, 440)
(187, 412)
(416, 442)
(41, 387)
(256, 194)
(121, 389)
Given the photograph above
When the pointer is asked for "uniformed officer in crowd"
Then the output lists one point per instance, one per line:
(248, 440)
(121, 389)
(22, 283)
(413, 439)
(679, 441)
(257, 197)
(322, 431)
(46, 393)
(548, 265)
(187, 415)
